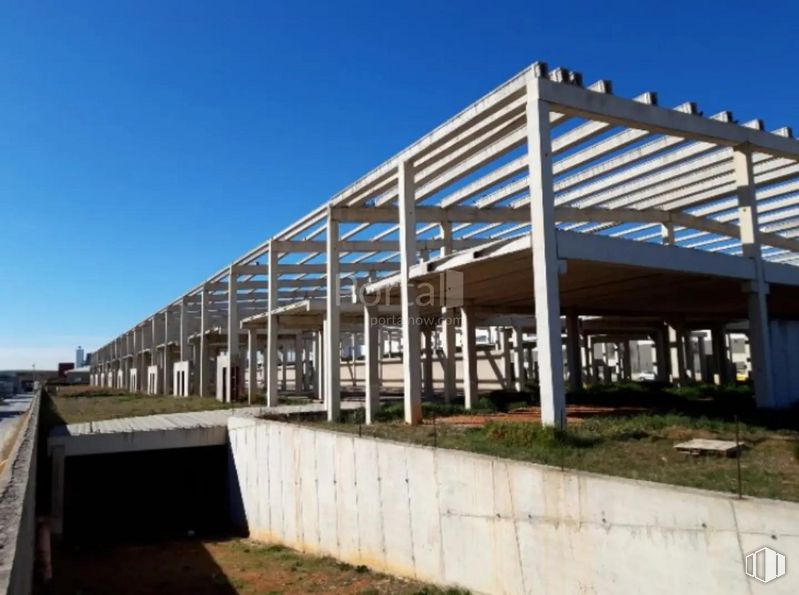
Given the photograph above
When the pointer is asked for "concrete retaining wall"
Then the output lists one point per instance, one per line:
(18, 509)
(498, 526)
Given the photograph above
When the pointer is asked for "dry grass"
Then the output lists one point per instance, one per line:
(638, 447)
(625, 430)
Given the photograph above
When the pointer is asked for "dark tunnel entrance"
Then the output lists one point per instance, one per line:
(158, 494)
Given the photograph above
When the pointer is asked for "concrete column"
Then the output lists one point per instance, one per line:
(448, 327)
(333, 324)
(320, 363)
(411, 364)
(141, 361)
(353, 348)
(370, 337)
(428, 363)
(667, 234)
(701, 353)
(518, 358)
(167, 381)
(284, 364)
(757, 290)
(588, 359)
(627, 368)
(507, 367)
(270, 357)
(662, 355)
(252, 365)
(183, 338)
(721, 366)
(204, 367)
(677, 355)
(573, 350)
(469, 354)
(546, 266)
(232, 382)
(155, 339)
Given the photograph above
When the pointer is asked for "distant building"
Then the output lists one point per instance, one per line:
(63, 368)
(78, 375)
(80, 360)
(21, 381)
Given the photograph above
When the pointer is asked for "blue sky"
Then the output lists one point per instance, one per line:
(144, 145)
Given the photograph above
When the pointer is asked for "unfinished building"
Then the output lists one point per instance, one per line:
(564, 224)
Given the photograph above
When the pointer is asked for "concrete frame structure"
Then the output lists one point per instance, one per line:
(548, 197)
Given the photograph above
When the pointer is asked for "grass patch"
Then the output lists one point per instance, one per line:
(85, 404)
(637, 446)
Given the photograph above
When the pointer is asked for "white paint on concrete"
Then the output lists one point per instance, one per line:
(494, 525)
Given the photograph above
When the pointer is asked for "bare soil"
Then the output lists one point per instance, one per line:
(199, 567)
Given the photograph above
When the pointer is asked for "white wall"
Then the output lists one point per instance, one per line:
(498, 526)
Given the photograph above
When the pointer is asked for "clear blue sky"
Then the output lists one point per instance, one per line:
(144, 145)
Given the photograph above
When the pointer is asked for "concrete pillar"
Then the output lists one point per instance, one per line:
(546, 266)
(232, 381)
(667, 234)
(701, 352)
(469, 352)
(252, 365)
(333, 324)
(319, 363)
(270, 357)
(284, 364)
(757, 290)
(167, 373)
(372, 356)
(505, 349)
(588, 359)
(411, 364)
(679, 375)
(662, 355)
(155, 339)
(627, 367)
(140, 365)
(721, 366)
(204, 365)
(428, 363)
(353, 348)
(573, 351)
(518, 358)
(690, 355)
(448, 327)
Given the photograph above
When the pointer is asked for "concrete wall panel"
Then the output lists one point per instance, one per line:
(498, 526)
(326, 491)
(425, 513)
(394, 495)
(346, 499)
(308, 494)
(372, 548)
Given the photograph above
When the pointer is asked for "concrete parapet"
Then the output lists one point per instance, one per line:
(18, 508)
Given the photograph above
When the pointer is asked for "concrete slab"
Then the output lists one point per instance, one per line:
(700, 446)
(151, 432)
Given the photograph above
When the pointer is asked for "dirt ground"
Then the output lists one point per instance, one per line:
(200, 567)
(575, 415)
